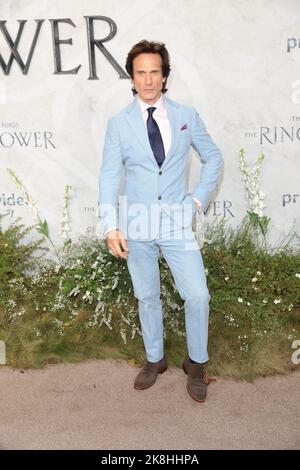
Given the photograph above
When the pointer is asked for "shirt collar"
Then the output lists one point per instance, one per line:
(159, 105)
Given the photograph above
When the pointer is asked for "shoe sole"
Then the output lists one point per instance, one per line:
(187, 387)
(148, 386)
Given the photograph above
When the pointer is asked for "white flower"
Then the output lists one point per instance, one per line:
(123, 335)
(258, 273)
(88, 297)
(258, 211)
(65, 218)
(251, 183)
(240, 300)
(66, 228)
(265, 301)
(277, 301)
(226, 278)
(74, 291)
(254, 279)
(65, 222)
(297, 275)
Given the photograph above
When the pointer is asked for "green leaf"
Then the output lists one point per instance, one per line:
(43, 228)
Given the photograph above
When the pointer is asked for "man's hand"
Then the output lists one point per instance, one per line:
(198, 203)
(116, 243)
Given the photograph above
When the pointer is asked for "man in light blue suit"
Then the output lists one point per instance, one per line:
(147, 148)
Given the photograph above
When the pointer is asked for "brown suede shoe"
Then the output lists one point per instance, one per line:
(198, 380)
(147, 376)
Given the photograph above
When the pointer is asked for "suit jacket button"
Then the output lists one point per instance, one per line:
(159, 197)
(160, 173)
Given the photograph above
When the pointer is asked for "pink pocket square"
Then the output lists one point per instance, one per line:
(184, 127)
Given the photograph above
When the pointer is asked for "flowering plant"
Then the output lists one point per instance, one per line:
(40, 225)
(254, 194)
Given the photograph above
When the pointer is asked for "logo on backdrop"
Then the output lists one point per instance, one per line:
(292, 43)
(220, 209)
(57, 42)
(9, 201)
(12, 137)
(277, 134)
(289, 199)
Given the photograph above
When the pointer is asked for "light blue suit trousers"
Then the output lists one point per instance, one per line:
(181, 252)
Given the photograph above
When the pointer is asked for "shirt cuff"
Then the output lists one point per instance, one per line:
(109, 230)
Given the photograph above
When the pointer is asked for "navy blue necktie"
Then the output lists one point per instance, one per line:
(155, 138)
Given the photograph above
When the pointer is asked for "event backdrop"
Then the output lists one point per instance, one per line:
(62, 75)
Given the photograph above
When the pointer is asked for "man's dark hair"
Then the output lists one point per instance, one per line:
(149, 47)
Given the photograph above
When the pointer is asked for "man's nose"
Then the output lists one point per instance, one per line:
(148, 79)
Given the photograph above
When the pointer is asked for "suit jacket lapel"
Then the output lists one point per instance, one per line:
(174, 115)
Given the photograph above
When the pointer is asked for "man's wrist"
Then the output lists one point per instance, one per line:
(197, 202)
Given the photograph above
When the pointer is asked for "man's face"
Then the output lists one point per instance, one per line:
(147, 76)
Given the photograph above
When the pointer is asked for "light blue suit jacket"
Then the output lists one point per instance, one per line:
(147, 188)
